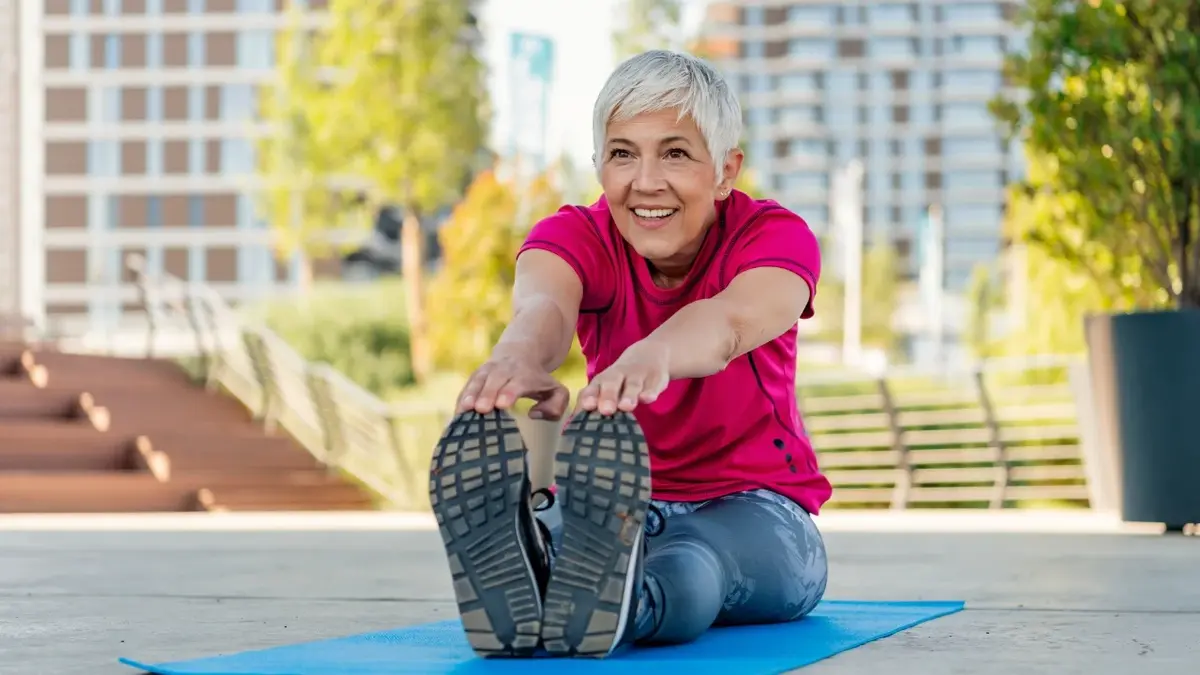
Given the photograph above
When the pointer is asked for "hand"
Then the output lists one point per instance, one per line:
(639, 376)
(498, 384)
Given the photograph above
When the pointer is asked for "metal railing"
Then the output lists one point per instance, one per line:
(1000, 434)
(344, 426)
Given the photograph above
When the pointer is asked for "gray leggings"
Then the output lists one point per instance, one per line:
(751, 557)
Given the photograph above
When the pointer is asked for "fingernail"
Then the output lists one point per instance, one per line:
(535, 415)
(468, 400)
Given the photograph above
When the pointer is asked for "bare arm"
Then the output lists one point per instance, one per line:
(702, 338)
(546, 299)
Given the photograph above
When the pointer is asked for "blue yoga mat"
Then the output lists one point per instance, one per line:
(441, 649)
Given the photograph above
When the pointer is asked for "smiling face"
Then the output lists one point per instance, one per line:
(660, 183)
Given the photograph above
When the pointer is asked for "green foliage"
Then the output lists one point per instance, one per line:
(357, 329)
(643, 25)
(984, 296)
(1111, 118)
(470, 298)
(880, 297)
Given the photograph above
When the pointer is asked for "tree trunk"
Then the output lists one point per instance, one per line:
(411, 263)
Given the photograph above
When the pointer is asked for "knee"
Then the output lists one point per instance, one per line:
(690, 588)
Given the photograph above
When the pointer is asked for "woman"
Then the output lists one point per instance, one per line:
(685, 294)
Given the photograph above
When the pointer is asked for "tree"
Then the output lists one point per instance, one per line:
(383, 108)
(470, 298)
(1111, 118)
(643, 25)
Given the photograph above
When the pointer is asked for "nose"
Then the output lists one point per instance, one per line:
(649, 176)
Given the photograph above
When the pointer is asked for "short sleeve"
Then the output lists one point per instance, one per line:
(780, 239)
(573, 236)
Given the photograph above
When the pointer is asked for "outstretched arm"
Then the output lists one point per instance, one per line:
(702, 338)
(546, 298)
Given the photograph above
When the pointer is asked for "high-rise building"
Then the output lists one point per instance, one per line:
(129, 126)
(902, 86)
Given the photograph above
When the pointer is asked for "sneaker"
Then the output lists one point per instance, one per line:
(497, 551)
(602, 473)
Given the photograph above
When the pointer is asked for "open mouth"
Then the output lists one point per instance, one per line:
(654, 214)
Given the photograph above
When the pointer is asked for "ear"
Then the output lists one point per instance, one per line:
(730, 172)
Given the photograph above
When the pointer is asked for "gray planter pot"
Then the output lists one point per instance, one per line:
(1142, 440)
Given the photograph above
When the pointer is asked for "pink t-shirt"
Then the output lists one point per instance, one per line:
(739, 429)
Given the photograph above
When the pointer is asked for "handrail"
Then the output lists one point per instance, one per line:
(343, 425)
(909, 420)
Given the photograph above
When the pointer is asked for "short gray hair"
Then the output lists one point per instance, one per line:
(659, 80)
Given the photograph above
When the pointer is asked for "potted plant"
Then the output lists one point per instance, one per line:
(1107, 103)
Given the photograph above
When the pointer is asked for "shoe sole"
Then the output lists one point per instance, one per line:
(477, 484)
(602, 471)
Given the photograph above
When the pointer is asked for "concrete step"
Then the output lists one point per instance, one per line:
(45, 445)
(91, 492)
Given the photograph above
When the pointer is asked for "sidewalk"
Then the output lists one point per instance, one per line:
(80, 591)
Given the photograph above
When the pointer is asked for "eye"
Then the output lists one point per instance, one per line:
(618, 153)
(677, 153)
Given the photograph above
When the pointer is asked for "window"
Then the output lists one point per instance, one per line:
(891, 14)
(154, 104)
(195, 48)
(195, 208)
(154, 211)
(79, 7)
(103, 158)
(196, 156)
(966, 113)
(256, 49)
(237, 156)
(840, 86)
(970, 147)
(112, 7)
(811, 48)
(972, 216)
(807, 147)
(112, 51)
(237, 102)
(972, 180)
(195, 103)
(154, 156)
(154, 50)
(971, 248)
(891, 47)
(256, 6)
(794, 82)
(112, 212)
(972, 13)
(81, 55)
(196, 7)
(972, 80)
(754, 16)
(812, 15)
(154, 7)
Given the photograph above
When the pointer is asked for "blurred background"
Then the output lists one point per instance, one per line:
(352, 179)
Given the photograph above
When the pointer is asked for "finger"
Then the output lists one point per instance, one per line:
(485, 402)
(610, 394)
(553, 406)
(510, 392)
(589, 395)
(630, 394)
(654, 388)
(470, 392)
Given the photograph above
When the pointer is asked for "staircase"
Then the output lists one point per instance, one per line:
(82, 433)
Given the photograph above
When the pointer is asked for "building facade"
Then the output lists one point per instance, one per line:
(902, 86)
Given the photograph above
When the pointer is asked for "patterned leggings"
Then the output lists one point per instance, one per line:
(751, 557)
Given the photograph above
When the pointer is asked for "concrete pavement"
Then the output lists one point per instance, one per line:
(79, 592)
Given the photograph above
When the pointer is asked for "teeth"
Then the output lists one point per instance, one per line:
(653, 213)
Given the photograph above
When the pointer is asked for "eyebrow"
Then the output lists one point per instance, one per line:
(665, 141)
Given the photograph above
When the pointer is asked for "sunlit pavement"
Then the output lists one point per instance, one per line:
(1046, 592)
